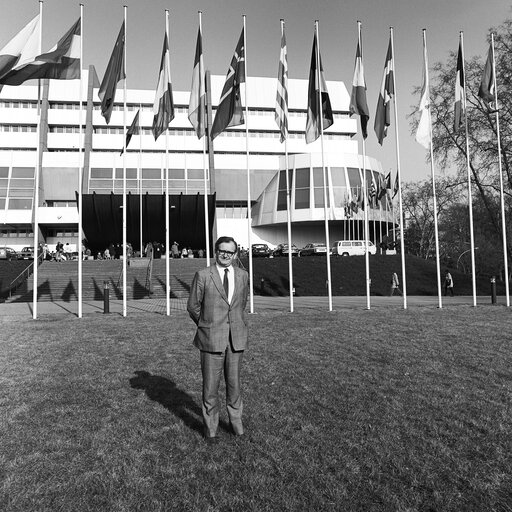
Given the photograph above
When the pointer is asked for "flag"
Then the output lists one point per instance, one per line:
(113, 74)
(360, 199)
(423, 130)
(396, 186)
(388, 181)
(373, 194)
(358, 104)
(62, 62)
(163, 107)
(354, 203)
(387, 90)
(459, 91)
(281, 115)
(134, 129)
(230, 112)
(197, 104)
(22, 48)
(486, 90)
(381, 186)
(315, 91)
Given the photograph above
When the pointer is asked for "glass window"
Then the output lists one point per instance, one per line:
(178, 174)
(22, 183)
(282, 179)
(4, 172)
(23, 172)
(195, 174)
(20, 204)
(302, 178)
(101, 172)
(338, 176)
(354, 177)
(2, 205)
(319, 198)
(152, 184)
(318, 179)
(152, 174)
(302, 198)
(131, 173)
(281, 200)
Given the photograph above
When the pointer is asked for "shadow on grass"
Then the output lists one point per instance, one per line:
(166, 393)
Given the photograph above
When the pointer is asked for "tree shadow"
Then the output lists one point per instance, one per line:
(166, 393)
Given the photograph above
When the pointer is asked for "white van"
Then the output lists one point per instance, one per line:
(352, 248)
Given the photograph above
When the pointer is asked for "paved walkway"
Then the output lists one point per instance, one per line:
(89, 307)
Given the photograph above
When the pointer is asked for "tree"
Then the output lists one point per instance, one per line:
(450, 146)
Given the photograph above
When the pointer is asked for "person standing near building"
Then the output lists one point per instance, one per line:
(395, 283)
(448, 283)
(218, 297)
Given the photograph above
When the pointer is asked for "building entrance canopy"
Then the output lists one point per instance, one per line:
(102, 221)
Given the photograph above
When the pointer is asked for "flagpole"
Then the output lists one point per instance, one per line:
(36, 184)
(125, 266)
(400, 205)
(502, 200)
(431, 146)
(365, 197)
(284, 96)
(140, 179)
(249, 214)
(205, 177)
(167, 221)
(80, 171)
(470, 198)
(324, 176)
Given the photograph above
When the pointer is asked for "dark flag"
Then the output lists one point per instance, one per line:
(230, 111)
(134, 129)
(315, 91)
(113, 74)
(387, 89)
(486, 90)
(459, 92)
(396, 186)
(358, 103)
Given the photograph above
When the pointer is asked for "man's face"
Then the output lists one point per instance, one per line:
(225, 254)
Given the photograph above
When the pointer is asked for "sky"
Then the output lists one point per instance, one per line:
(222, 22)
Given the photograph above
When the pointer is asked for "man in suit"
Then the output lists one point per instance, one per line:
(217, 301)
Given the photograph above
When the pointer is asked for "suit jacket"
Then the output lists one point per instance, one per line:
(215, 318)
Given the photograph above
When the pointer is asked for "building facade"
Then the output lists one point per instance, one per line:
(49, 137)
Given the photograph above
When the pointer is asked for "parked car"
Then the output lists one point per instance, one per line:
(352, 248)
(282, 250)
(8, 253)
(260, 250)
(313, 249)
(27, 253)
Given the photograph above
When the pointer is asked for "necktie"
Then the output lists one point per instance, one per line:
(226, 282)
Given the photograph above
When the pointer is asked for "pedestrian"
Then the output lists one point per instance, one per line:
(174, 250)
(448, 283)
(217, 301)
(395, 283)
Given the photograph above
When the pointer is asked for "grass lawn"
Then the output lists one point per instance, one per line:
(355, 410)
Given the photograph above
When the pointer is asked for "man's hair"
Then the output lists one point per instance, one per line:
(225, 240)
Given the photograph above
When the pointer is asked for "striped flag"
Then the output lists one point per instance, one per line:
(197, 104)
(21, 49)
(459, 91)
(230, 111)
(113, 74)
(163, 107)
(486, 90)
(315, 92)
(358, 104)
(134, 129)
(396, 186)
(423, 130)
(62, 62)
(282, 91)
(387, 90)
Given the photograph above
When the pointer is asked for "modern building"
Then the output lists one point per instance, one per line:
(68, 123)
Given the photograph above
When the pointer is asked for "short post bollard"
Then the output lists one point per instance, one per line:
(262, 284)
(106, 298)
(493, 290)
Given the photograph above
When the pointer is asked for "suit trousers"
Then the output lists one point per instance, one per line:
(212, 366)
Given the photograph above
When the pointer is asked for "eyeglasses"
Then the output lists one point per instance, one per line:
(226, 253)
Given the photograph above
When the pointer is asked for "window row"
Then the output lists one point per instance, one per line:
(17, 104)
(15, 128)
(108, 173)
